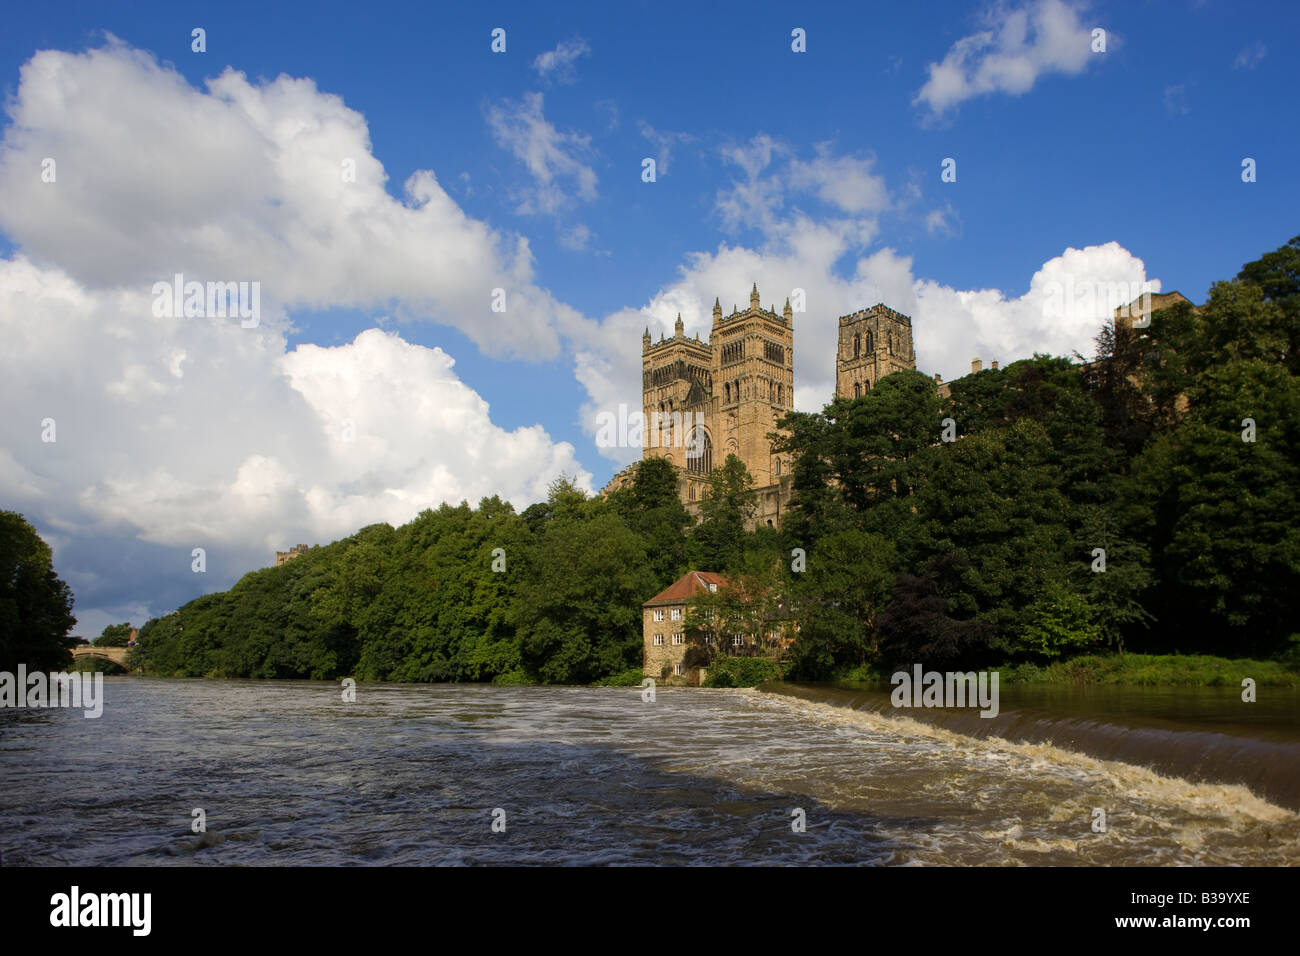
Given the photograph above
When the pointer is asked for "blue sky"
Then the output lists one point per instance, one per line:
(819, 169)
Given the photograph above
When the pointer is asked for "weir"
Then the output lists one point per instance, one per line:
(1260, 749)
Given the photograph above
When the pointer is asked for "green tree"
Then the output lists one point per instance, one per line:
(114, 635)
(728, 504)
(35, 605)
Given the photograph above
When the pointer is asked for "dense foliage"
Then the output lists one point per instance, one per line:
(35, 606)
(114, 635)
(1171, 461)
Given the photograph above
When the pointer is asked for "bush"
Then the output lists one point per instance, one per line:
(741, 672)
(632, 677)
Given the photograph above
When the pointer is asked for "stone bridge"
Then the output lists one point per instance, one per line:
(115, 654)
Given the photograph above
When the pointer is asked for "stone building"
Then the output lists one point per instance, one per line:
(663, 627)
(679, 641)
(283, 556)
(703, 401)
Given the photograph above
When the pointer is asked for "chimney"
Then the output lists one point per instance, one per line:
(975, 365)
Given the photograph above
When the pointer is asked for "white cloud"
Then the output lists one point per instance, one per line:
(550, 156)
(248, 449)
(175, 433)
(943, 222)
(1044, 37)
(557, 65)
(843, 181)
(246, 182)
(846, 184)
(664, 142)
(950, 326)
(1251, 56)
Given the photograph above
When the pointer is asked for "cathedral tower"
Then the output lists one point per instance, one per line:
(873, 343)
(753, 376)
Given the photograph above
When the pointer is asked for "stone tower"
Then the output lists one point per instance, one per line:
(676, 394)
(704, 401)
(753, 375)
(873, 343)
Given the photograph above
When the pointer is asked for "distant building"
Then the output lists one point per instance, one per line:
(703, 401)
(283, 556)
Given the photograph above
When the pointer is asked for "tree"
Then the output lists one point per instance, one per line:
(114, 635)
(929, 621)
(837, 600)
(728, 504)
(653, 509)
(35, 605)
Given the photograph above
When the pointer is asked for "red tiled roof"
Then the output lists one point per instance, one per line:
(685, 587)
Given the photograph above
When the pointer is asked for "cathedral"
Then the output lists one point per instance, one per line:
(704, 401)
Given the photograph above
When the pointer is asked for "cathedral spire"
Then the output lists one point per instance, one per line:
(753, 297)
(678, 328)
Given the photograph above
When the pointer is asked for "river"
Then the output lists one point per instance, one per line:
(287, 772)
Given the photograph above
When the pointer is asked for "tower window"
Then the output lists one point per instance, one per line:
(871, 341)
(857, 345)
(857, 389)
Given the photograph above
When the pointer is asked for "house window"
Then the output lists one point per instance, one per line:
(659, 640)
(713, 588)
(677, 614)
(708, 639)
(659, 614)
(737, 640)
(678, 638)
(708, 614)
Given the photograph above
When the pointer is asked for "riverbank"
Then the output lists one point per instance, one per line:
(1132, 670)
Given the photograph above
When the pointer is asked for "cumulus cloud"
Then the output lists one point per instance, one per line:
(1020, 46)
(557, 65)
(196, 432)
(177, 433)
(247, 182)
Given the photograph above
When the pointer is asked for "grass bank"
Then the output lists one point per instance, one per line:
(1136, 670)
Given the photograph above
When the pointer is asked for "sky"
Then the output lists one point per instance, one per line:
(450, 252)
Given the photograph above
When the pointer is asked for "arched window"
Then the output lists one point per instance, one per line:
(728, 388)
(891, 343)
(699, 453)
(871, 342)
(778, 466)
(857, 389)
(780, 398)
(857, 345)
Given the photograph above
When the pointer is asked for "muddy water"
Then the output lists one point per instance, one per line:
(287, 773)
